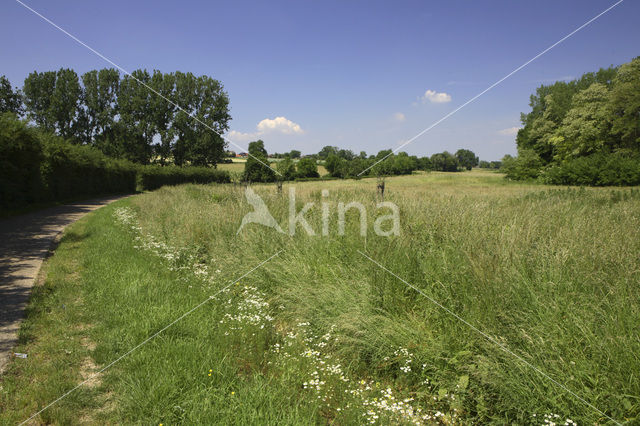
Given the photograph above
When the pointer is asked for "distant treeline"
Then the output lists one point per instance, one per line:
(122, 117)
(343, 163)
(40, 167)
(582, 132)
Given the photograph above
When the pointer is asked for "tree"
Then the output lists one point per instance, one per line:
(99, 104)
(424, 163)
(38, 95)
(136, 125)
(466, 158)
(403, 164)
(286, 168)
(307, 168)
(624, 105)
(10, 100)
(327, 151)
(257, 169)
(52, 100)
(332, 164)
(198, 141)
(586, 127)
(162, 113)
(213, 120)
(444, 162)
(295, 153)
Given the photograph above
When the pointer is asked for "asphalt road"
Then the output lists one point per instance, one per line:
(25, 241)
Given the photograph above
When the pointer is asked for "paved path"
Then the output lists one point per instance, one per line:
(25, 242)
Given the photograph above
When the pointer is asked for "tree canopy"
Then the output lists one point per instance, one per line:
(575, 125)
(129, 116)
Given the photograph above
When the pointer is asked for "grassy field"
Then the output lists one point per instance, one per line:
(320, 334)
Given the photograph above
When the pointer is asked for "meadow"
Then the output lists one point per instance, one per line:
(307, 330)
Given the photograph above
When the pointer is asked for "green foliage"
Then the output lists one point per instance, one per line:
(286, 168)
(307, 168)
(466, 158)
(39, 167)
(525, 166)
(599, 169)
(574, 126)
(444, 162)
(131, 118)
(625, 105)
(295, 153)
(74, 171)
(10, 100)
(257, 168)
(152, 177)
(20, 159)
(52, 99)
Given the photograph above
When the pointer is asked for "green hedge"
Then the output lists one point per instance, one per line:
(153, 177)
(40, 168)
(20, 159)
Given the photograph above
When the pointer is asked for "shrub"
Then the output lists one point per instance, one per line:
(527, 165)
(153, 177)
(596, 170)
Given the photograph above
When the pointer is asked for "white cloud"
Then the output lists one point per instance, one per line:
(435, 97)
(241, 137)
(511, 131)
(280, 125)
(399, 117)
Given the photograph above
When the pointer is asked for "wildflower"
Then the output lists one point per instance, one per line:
(233, 393)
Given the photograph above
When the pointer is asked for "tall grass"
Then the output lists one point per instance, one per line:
(552, 274)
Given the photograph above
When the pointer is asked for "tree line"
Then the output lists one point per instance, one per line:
(585, 131)
(343, 163)
(122, 117)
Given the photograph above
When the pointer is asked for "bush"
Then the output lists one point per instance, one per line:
(153, 177)
(526, 166)
(596, 170)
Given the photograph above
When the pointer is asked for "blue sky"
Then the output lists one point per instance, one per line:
(347, 73)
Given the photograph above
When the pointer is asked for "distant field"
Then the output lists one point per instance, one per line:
(320, 334)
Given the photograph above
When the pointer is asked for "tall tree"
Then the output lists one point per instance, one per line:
(99, 103)
(136, 125)
(65, 101)
(185, 97)
(212, 111)
(162, 113)
(38, 95)
(10, 100)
